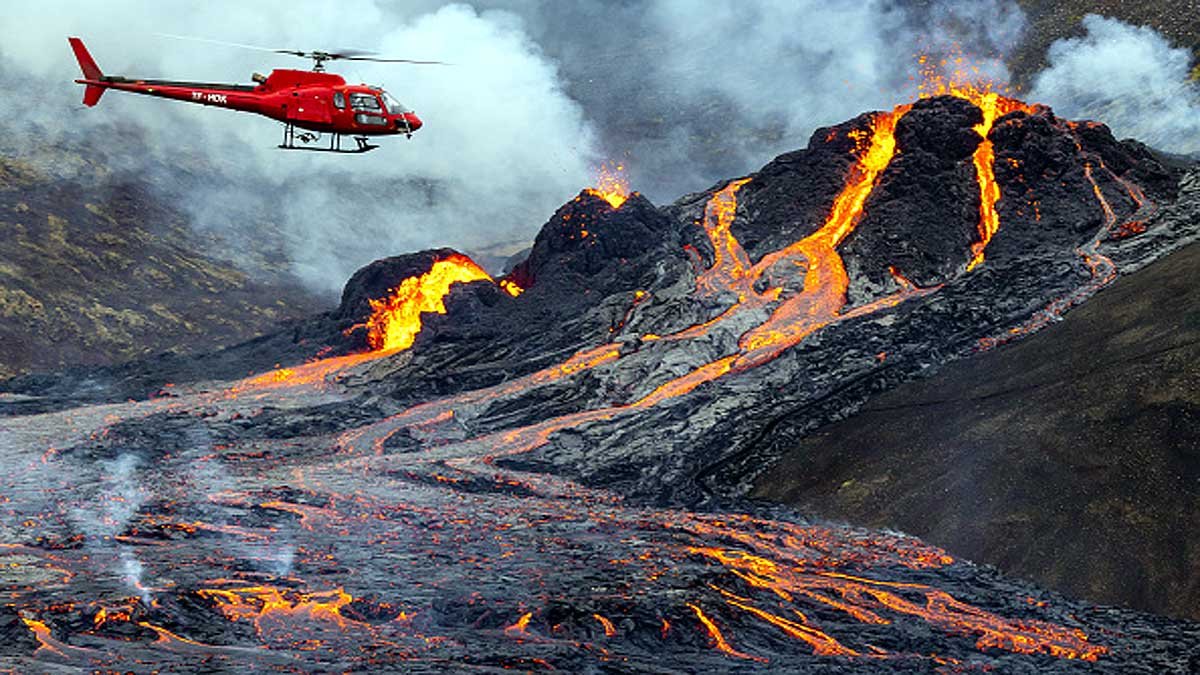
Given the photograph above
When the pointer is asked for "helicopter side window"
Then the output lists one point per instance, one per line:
(339, 100)
(365, 102)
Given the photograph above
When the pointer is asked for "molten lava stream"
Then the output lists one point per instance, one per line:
(730, 268)
(793, 568)
(799, 564)
(48, 643)
(823, 296)
(718, 638)
(993, 106)
(825, 280)
(396, 319)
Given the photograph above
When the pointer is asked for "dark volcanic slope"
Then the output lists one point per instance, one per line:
(1076, 449)
(101, 271)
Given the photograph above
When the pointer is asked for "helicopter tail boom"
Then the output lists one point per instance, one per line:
(91, 73)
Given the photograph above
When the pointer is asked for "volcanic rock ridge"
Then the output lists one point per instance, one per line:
(546, 470)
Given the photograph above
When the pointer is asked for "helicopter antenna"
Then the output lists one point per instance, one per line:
(319, 57)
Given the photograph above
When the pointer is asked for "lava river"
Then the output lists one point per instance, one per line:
(168, 535)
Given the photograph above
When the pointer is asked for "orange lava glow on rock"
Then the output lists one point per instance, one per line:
(953, 77)
(867, 599)
(396, 319)
(611, 185)
(609, 629)
(825, 279)
(520, 628)
(1102, 269)
(261, 603)
(719, 641)
(509, 286)
(789, 577)
(42, 632)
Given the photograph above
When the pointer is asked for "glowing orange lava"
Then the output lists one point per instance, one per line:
(718, 639)
(258, 603)
(825, 279)
(396, 319)
(609, 629)
(611, 185)
(966, 83)
(511, 287)
(784, 575)
(520, 628)
(865, 600)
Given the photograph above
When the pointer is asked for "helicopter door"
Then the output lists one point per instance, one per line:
(312, 108)
(368, 111)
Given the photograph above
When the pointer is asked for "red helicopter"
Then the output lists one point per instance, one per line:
(315, 101)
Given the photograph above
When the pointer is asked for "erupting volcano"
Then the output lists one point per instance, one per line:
(611, 185)
(544, 472)
(396, 319)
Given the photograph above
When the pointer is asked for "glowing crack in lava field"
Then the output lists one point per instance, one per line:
(299, 520)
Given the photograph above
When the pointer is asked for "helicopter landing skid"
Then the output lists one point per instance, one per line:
(335, 142)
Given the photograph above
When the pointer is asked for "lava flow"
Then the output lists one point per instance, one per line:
(993, 104)
(358, 525)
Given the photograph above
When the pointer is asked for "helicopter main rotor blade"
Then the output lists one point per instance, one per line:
(228, 44)
(419, 63)
(338, 55)
(351, 53)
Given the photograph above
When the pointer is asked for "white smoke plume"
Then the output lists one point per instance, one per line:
(131, 573)
(502, 147)
(118, 498)
(1129, 77)
(689, 93)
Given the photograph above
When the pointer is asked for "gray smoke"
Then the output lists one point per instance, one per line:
(682, 93)
(687, 93)
(1129, 77)
(208, 477)
(502, 148)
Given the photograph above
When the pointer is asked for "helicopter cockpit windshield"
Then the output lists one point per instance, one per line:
(393, 106)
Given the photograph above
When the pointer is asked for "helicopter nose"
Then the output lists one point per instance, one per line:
(414, 122)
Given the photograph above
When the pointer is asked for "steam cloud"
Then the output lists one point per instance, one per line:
(1128, 77)
(682, 93)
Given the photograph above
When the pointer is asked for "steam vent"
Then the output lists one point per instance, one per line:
(547, 470)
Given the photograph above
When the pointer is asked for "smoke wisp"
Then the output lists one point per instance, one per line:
(118, 498)
(1129, 77)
